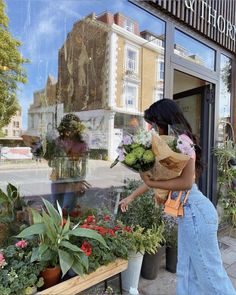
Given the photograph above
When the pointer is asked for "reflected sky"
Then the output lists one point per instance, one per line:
(42, 27)
(194, 47)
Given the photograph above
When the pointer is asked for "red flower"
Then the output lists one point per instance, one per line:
(73, 213)
(111, 232)
(89, 219)
(87, 248)
(106, 218)
(102, 230)
(116, 228)
(127, 228)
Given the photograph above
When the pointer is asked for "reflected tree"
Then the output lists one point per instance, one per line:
(11, 70)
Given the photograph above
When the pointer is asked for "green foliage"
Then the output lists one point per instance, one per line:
(55, 234)
(170, 231)
(142, 211)
(19, 273)
(11, 70)
(10, 203)
(226, 175)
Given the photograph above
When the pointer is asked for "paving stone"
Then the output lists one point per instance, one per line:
(231, 270)
(233, 280)
(228, 256)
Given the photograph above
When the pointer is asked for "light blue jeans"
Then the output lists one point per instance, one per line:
(200, 270)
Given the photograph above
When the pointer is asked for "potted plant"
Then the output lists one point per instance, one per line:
(144, 212)
(153, 243)
(18, 274)
(171, 241)
(55, 247)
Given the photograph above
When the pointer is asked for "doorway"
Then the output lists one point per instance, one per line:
(195, 97)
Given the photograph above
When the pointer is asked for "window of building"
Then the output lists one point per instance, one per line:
(131, 59)
(131, 93)
(158, 95)
(160, 70)
(6, 132)
(129, 25)
(16, 124)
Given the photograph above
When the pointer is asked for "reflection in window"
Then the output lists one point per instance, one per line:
(225, 88)
(100, 66)
(193, 50)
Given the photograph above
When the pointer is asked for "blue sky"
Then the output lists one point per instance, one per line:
(42, 27)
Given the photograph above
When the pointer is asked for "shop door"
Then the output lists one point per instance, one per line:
(198, 107)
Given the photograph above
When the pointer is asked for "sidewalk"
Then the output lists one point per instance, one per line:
(165, 283)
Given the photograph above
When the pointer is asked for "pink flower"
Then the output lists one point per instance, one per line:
(185, 145)
(21, 244)
(2, 260)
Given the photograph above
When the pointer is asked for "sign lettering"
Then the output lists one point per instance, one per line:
(215, 19)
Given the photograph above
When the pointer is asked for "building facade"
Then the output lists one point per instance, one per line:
(14, 128)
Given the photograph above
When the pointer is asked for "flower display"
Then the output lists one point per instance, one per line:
(135, 151)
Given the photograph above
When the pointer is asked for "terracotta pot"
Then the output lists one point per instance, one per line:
(51, 276)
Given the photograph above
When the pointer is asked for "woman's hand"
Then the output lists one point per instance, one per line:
(125, 202)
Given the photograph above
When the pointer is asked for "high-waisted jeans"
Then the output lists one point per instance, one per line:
(200, 270)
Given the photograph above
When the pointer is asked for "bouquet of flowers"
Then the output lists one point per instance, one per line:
(172, 154)
(135, 151)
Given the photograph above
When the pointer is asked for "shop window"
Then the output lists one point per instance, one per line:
(104, 71)
(194, 51)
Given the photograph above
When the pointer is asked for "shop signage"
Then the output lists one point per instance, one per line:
(213, 17)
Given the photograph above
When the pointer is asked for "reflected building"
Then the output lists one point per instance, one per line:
(14, 129)
(108, 74)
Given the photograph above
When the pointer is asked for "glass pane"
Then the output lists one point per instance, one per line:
(95, 66)
(225, 96)
(225, 87)
(193, 50)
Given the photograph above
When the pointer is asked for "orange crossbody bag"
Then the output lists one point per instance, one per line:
(175, 207)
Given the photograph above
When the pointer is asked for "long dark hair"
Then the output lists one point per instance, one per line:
(166, 114)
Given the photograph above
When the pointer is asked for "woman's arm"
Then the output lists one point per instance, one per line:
(136, 193)
(182, 182)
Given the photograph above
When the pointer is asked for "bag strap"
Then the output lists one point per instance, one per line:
(177, 200)
(186, 197)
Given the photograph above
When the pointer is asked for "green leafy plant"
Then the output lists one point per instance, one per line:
(55, 233)
(10, 203)
(170, 231)
(143, 210)
(226, 176)
(18, 274)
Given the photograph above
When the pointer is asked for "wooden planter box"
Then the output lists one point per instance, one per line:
(78, 284)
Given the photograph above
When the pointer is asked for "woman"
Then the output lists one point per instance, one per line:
(200, 270)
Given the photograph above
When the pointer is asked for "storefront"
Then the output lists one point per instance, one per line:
(200, 67)
(111, 60)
